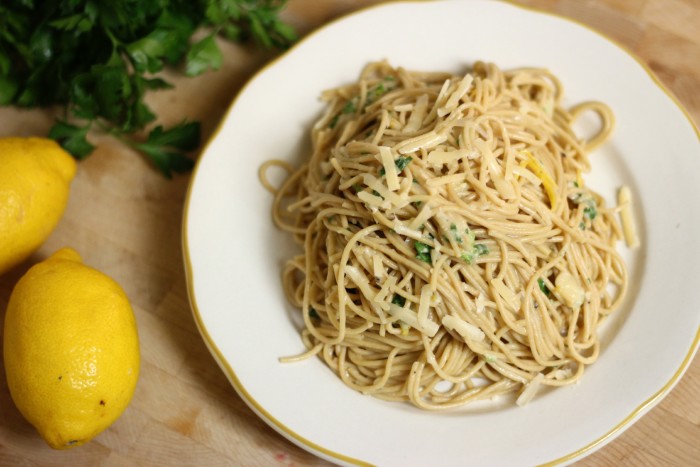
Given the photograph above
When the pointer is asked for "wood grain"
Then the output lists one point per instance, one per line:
(125, 219)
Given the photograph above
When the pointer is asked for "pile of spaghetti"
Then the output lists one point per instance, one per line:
(451, 250)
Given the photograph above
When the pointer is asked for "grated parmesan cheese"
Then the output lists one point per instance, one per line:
(377, 266)
(360, 281)
(443, 92)
(426, 294)
(468, 331)
(383, 293)
(456, 95)
(403, 107)
(530, 390)
(439, 157)
(509, 297)
(569, 289)
(504, 187)
(406, 231)
(480, 303)
(373, 200)
(415, 121)
(429, 328)
(387, 160)
(390, 198)
(425, 141)
(624, 199)
(425, 213)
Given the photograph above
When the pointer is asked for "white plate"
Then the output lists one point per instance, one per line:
(233, 253)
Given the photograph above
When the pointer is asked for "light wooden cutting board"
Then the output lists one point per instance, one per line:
(125, 220)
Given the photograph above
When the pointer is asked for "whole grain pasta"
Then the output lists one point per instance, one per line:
(451, 250)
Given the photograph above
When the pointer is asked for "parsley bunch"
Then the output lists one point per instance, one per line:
(98, 58)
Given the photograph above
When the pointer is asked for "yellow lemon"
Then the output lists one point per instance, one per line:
(35, 176)
(71, 349)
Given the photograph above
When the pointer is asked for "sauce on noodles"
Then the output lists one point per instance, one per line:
(451, 249)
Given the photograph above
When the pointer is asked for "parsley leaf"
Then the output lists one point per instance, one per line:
(457, 237)
(313, 314)
(96, 60)
(590, 212)
(423, 252)
(8, 89)
(378, 90)
(243, 19)
(479, 249)
(349, 107)
(334, 121)
(401, 162)
(543, 287)
(73, 138)
(165, 148)
(398, 300)
(203, 55)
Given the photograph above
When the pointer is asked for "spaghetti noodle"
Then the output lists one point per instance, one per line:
(451, 250)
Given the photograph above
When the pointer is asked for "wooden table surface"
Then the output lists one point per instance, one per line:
(125, 219)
